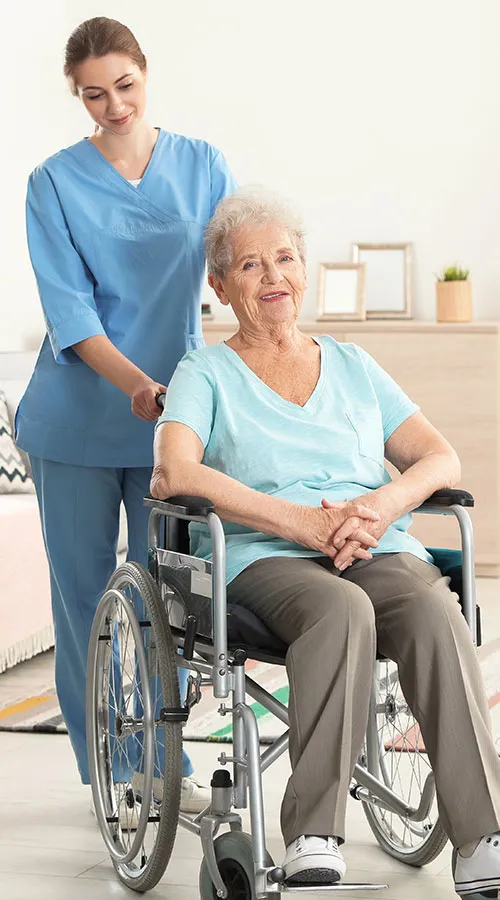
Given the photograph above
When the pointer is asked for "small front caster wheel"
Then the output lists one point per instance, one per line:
(233, 852)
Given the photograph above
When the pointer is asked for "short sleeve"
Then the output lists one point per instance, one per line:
(65, 283)
(394, 404)
(191, 396)
(222, 181)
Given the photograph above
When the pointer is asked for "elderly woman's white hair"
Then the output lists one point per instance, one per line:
(252, 205)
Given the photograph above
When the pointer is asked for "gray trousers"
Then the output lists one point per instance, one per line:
(333, 623)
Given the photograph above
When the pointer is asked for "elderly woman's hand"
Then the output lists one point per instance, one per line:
(318, 527)
(349, 548)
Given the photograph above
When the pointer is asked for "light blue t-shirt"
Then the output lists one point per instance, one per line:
(332, 447)
(120, 260)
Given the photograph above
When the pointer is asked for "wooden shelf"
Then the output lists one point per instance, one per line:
(373, 326)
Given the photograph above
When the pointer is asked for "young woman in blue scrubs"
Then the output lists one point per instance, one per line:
(115, 231)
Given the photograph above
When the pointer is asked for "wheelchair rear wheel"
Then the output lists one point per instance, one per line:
(132, 675)
(404, 767)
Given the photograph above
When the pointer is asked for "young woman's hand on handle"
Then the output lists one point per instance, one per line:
(145, 400)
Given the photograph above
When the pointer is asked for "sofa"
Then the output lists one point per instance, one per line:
(25, 616)
(25, 613)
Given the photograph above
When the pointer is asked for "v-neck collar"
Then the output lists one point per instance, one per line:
(91, 158)
(313, 397)
(112, 171)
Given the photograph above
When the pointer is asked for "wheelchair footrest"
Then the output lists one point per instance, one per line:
(324, 888)
(482, 895)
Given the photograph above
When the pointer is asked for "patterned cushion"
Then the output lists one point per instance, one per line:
(14, 478)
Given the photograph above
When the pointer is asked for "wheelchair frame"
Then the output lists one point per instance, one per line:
(226, 672)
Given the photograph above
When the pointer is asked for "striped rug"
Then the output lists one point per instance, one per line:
(41, 713)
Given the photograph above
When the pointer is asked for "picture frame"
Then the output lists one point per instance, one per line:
(341, 291)
(388, 279)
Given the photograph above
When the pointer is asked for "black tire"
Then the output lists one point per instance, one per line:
(140, 596)
(415, 844)
(233, 852)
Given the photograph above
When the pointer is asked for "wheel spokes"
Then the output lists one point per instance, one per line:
(404, 763)
(122, 704)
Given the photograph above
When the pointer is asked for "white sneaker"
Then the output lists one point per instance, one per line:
(314, 861)
(195, 797)
(137, 782)
(129, 815)
(481, 871)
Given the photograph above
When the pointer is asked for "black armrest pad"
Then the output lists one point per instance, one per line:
(449, 498)
(190, 506)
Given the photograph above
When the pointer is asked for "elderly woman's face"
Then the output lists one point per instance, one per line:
(267, 278)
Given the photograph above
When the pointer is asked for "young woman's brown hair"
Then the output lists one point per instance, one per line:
(97, 37)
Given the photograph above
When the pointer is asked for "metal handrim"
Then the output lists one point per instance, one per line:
(100, 754)
(123, 776)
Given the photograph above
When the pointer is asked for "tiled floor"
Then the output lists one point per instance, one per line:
(51, 849)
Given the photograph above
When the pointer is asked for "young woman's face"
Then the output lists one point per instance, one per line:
(113, 90)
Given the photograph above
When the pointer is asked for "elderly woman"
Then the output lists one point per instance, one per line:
(287, 435)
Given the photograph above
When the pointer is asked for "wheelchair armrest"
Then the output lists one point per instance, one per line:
(184, 506)
(447, 498)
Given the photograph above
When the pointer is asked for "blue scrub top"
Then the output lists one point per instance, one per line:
(123, 261)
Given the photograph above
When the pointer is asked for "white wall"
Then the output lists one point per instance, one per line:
(381, 120)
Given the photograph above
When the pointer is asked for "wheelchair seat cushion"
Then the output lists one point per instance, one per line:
(245, 630)
(450, 564)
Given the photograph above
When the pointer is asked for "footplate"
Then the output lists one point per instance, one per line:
(482, 895)
(328, 888)
(270, 882)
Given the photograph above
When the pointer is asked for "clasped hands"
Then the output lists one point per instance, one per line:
(346, 531)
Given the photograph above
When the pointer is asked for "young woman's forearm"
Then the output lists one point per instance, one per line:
(102, 356)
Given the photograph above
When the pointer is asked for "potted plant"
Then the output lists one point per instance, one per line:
(454, 295)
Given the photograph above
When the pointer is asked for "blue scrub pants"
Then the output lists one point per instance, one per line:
(80, 510)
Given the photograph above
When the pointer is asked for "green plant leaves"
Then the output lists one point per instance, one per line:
(454, 273)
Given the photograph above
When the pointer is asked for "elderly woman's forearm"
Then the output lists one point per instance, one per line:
(233, 501)
(433, 472)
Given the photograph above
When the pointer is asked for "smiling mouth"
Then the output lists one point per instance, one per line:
(276, 295)
(122, 120)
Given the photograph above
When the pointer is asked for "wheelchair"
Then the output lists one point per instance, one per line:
(148, 623)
